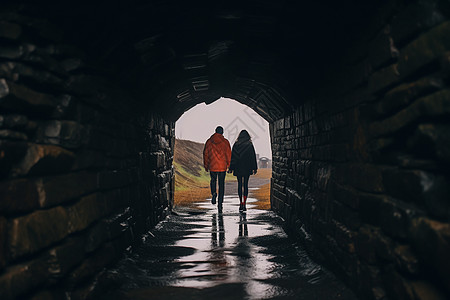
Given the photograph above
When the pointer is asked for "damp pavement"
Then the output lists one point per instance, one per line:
(199, 253)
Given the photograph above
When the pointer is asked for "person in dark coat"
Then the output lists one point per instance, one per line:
(243, 164)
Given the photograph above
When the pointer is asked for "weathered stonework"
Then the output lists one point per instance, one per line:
(83, 174)
(372, 192)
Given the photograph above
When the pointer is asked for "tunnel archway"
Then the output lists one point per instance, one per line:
(89, 94)
(195, 127)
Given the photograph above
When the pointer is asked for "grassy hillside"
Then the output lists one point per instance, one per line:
(188, 163)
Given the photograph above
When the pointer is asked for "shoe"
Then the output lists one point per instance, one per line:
(244, 208)
(219, 207)
(241, 207)
(213, 199)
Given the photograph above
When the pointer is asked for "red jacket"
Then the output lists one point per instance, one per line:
(217, 153)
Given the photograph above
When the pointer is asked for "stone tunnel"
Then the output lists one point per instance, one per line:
(356, 94)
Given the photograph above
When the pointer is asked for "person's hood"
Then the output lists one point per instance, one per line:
(217, 138)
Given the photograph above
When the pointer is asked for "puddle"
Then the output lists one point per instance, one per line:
(210, 250)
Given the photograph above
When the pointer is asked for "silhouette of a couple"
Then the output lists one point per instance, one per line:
(218, 157)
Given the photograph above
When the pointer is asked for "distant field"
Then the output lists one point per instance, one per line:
(192, 181)
(263, 193)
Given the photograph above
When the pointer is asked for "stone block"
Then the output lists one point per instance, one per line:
(72, 64)
(424, 188)
(37, 230)
(14, 71)
(43, 160)
(412, 162)
(13, 52)
(10, 153)
(64, 258)
(373, 246)
(416, 18)
(382, 48)
(406, 260)
(424, 290)
(431, 241)
(63, 188)
(93, 264)
(424, 50)
(66, 108)
(397, 287)
(18, 196)
(431, 140)
(345, 238)
(9, 30)
(20, 279)
(7, 134)
(45, 61)
(403, 184)
(13, 121)
(404, 94)
(68, 134)
(370, 283)
(82, 214)
(21, 98)
(157, 160)
(433, 105)
(396, 217)
(384, 78)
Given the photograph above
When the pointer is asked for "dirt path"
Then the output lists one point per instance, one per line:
(201, 254)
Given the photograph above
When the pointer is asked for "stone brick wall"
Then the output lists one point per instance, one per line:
(85, 169)
(361, 168)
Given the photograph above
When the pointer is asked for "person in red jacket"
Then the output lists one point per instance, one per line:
(216, 160)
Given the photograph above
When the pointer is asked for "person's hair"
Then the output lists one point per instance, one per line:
(219, 129)
(244, 137)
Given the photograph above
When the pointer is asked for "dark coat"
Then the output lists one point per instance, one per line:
(243, 159)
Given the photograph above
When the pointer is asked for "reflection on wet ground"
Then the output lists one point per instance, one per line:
(202, 254)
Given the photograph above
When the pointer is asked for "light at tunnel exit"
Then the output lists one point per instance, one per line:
(199, 123)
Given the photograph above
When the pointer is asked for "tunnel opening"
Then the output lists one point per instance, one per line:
(192, 130)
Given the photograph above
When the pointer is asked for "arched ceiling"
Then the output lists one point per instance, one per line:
(266, 54)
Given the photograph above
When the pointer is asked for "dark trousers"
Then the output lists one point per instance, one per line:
(243, 184)
(221, 177)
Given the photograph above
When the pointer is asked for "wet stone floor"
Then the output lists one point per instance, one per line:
(198, 253)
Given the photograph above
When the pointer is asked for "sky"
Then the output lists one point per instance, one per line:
(200, 122)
